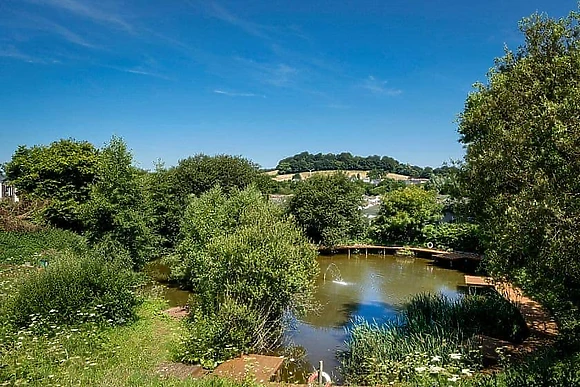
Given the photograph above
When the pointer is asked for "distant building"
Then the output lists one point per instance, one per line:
(7, 191)
(416, 180)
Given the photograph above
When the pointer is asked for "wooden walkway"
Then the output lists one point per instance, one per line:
(542, 326)
(436, 255)
(259, 368)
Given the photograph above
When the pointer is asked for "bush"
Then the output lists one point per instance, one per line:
(456, 236)
(240, 250)
(546, 368)
(233, 329)
(72, 288)
(20, 247)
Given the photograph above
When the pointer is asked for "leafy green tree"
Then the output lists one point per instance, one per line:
(200, 173)
(247, 264)
(114, 217)
(404, 213)
(164, 206)
(387, 185)
(59, 173)
(522, 135)
(168, 191)
(328, 209)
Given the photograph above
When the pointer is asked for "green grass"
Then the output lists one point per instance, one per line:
(20, 247)
(97, 356)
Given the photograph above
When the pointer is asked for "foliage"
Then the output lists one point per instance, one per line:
(18, 216)
(136, 354)
(168, 190)
(383, 354)
(163, 206)
(546, 368)
(20, 247)
(114, 215)
(235, 328)
(305, 161)
(489, 314)
(60, 173)
(241, 248)
(404, 213)
(455, 236)
(522, 135)
(200, 173)
(386, 185)
(432, 343)
(70, 288)
(327, 208)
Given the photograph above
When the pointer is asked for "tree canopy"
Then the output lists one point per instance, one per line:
(345, 161)
(522, 134)
(404, 212)
(59, 173)
(328, 208)
(247, 263)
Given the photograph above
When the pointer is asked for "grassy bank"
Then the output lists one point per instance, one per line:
(20, 247)
(93, 355)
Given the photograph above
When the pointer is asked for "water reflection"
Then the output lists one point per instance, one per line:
(372, 288)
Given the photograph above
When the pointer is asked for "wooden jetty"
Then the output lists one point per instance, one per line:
(421, 252)
(262, 369)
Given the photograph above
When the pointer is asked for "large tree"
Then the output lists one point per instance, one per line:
(114, 216)
(522, 134)
(404, 212)
(328, 208)
(59, 173)
(168, 190)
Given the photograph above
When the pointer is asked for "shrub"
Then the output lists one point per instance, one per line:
(20, 247)
(456, 236)
(241, 249)
(233, 329)
(546, 368)
(71, 288)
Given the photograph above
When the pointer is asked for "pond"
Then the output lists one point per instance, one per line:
(372, 288)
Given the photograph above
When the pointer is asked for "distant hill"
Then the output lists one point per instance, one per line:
(306, 162)
(354, 173)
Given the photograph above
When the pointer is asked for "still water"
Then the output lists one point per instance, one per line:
(372, 288)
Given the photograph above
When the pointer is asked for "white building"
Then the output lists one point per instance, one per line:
(7, 191)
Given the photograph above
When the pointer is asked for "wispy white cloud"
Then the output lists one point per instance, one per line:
(63, 32)
(137, 71)
(237, 94)
(379, 87)
(87, 10)
(14, 53)
(33, 22)
(220, 12)
(274, 74)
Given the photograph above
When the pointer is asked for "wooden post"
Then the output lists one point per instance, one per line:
(366, 252)
(320, 379)
(348, 253)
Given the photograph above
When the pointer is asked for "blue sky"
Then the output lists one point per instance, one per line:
(265, 79)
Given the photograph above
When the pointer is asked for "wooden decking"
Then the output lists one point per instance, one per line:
(436, 255)
(260, 368)
(542, 326)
